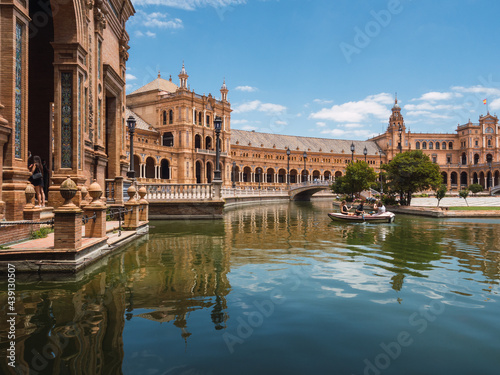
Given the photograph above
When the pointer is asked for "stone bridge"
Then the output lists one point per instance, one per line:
(304, 191)
(495, 189)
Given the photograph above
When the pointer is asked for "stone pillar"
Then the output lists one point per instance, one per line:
(31, 212)
(217, 185)
(68, 220)
(144, 205)
(119, 190)
(95, 228)
(131, 220)
(83, 193)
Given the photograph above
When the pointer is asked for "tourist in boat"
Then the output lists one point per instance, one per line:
(344, 210)
(360, 210)
(380, 208)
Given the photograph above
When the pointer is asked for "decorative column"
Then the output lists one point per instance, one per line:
(95, 228)
(68, 220)
(119, 190)
(31, 212)
(144, 205)
(131, 220)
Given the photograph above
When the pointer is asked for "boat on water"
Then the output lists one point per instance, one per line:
(386, 217)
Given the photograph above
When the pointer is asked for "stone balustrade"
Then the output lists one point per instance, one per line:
(179, 192)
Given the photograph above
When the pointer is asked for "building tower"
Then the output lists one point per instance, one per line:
(396, 129)
(183, 77)
(224, 91)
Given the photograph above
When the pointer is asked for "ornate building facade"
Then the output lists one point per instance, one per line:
(176, 144)
(62, 92)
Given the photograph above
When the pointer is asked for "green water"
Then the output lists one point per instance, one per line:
(272, 289)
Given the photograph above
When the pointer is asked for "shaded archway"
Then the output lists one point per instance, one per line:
(328, 175)
(444, 175)
(282, 176)
(482, 181)
(476, 158)
(150, 167)
(463, 158)
(269, 175)
(165, 169)
(209, 170)
(496, 176)
(316, 175)
(168, 139)
(247, 173)
(453, 178)
(197, 141)
(208, 143)
(338, 174)
(474, 178)
(137, 166)
(198, 171)
(463, 179)
(293, 176)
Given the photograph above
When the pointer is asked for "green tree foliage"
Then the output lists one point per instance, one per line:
(475, 188)
(410, 172)
(441, 192)
(358, 176)
(464, 194)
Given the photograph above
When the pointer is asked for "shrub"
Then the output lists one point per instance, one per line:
(41, 233)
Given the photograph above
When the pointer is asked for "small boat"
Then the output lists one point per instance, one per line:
(386, 217)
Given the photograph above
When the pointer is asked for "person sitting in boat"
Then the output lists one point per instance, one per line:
(360, 210)
(344, 210)
(380, 208)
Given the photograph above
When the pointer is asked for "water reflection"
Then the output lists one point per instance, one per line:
(183, 268)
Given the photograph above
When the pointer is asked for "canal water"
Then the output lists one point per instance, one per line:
(272, 289)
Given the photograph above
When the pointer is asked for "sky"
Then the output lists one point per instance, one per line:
(326, 68)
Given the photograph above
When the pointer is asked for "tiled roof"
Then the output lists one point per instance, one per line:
(159, 84)
(139, 122)
(326, 145)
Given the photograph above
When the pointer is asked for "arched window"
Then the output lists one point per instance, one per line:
(489, 130)
(417, 145)
(164, 117)
(450, 145)
(168, 139)
(208, 121)
(489, 158)
(489, 142)
(197, 141)
(165, 170)
(424, 145)
(431, 146)
(437, 145)
(170, 117)
(476, 158)
(208, 143)
(444, 145)
(464, 158)
(199, 118)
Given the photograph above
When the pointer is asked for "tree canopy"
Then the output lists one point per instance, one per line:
(411, 172)
(358, 176)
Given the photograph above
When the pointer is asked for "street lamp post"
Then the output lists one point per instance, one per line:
(234, 174)
(288, 166)
(305, 173)
(380, 172)
(365, 152)
(352, 152)
(217, 126)
(131, 131)
(259, 171)
(400, 145)
(459, 182)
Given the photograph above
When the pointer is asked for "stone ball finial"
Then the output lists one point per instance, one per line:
(142, 192)
(131, 193)
(68, 191)
(95, 192)
(29, 192)
(84, 192)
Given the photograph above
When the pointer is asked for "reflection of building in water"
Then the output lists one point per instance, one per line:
(60, 330)
(175, 275)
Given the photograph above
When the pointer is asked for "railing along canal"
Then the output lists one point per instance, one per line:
(179, 191)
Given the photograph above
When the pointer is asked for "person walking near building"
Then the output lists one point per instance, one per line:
(36, 179)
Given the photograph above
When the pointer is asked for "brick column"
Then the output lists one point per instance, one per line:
(68, 220)
(119, 190)
(131, 220)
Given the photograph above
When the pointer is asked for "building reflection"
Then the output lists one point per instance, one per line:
(182, 267)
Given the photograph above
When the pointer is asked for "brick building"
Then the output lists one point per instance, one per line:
(175, 144)
(62, 92)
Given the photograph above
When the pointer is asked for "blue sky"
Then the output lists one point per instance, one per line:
(326, 68)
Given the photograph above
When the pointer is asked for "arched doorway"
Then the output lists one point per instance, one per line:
(282, 176)
(476, 158)
(482, 180)
(453, 178)
(270, 175)
(150, 167)
(463, 179)
(338, 174)
(168, 139)
(444, 175)
(328, 175)
(463, 158)
(137, 166)
(474, 178)
(208, 143)
(293, 176)
(316, 175)
(165, 169)
(197, 141)
(209, 174)
(198, 171)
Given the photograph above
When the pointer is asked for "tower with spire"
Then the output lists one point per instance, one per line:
(224, 91)
(183, 77)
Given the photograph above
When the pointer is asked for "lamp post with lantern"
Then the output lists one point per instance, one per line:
(288, 166)
(400, 145)
(305, 173)
(131, 130)
(217, 126)
(365, 152)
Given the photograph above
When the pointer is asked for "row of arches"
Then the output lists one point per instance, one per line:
(486, 179)
(433, 145)
(476, 160)
(206, 144)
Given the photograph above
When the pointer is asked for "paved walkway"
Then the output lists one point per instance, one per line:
(456, 201)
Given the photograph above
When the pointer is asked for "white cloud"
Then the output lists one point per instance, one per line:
(130, 77)
(478, 89)
(279, 122)
(249, 127)
(495, 104)
(355, 112)
(237, 122)
(429, 115)
(321, 124)
(139, 33)
(150, 34)
(431, 107)
(246, 88)
(342, 133)
(435, 95)
(257, 105)
(190, 4)
(321, 101)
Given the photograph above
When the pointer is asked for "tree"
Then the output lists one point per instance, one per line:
(464, 194)
(358, 176)
(476, 188)
(410, 172)
(440, 193)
